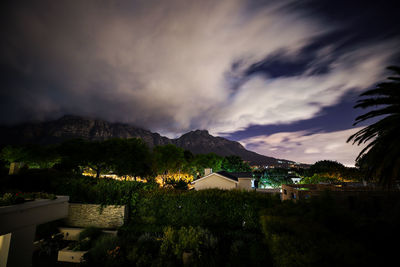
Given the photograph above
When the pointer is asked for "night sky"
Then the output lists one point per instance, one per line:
(279, 76)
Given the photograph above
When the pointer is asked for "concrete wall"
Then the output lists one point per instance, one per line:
(214, 181)
(85, 215)
(244, 183)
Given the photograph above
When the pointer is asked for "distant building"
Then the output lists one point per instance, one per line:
(224, 180)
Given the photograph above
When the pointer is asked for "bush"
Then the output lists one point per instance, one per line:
(105, 252)
(81, 189)
(145, 251)
(195, 241)
(207, 208)
(86, 239)
(324, 232)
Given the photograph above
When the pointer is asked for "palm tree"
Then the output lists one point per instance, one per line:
(381, 157)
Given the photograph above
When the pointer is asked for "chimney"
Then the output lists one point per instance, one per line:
(207, 171)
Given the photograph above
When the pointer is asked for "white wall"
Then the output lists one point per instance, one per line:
(214, 181)
(245, 183)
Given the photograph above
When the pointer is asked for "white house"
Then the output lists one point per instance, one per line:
(224, 180)
(296, 180)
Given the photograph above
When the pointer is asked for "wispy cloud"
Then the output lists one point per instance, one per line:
(263, 100)
(304, 147)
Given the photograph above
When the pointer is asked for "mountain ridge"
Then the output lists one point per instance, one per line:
(72, 126)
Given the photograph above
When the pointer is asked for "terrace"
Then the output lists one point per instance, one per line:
(18, 225)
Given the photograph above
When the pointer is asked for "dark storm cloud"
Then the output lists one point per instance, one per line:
(179, 65)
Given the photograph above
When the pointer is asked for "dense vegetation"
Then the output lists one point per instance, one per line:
(226, 228)
(323, 171)
(123, 157)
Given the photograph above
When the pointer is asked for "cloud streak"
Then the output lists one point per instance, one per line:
(301, 146)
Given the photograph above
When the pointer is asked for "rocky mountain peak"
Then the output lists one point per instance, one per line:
(203, 133)
(71, 126)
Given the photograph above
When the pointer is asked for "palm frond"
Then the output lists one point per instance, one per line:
(375, 113)
(370, 102)
(381, 155)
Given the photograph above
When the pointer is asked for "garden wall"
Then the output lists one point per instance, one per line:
(86, 215)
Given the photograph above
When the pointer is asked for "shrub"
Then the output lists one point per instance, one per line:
(145, 251)
(105, 252)
(207, 208)
(86, 239)
(324, 232)
(195, 240)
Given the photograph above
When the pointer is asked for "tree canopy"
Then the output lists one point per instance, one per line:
(35, 156)
(328, 166)
(168, 158)
(123, 157)
(235, 164)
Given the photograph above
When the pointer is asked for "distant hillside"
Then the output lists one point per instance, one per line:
(67, 127)
(201, 142)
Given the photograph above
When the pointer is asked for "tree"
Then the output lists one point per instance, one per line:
(13, 154)
(235, 164)
(97, 156)
(317, 178)
(330, 171)
(72, 156)
(168, 158)
(202, 161)
(122, 156)
(129, 157)
(271, 179)
(381, 157)
(326, 166)
(79, 153)
(35, 156)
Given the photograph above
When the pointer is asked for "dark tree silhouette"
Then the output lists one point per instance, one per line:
(235, 164)
(381, 157)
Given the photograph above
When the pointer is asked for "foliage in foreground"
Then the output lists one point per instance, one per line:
(207, 208)
(242, 228)
(317, 232)
(324, 232)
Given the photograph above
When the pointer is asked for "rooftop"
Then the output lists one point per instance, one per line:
(235, 175)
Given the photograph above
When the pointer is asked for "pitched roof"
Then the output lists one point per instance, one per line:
(235, 175)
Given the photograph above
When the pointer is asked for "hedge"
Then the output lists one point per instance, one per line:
(207, 208)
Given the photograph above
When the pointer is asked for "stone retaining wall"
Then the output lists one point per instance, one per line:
(85, 215)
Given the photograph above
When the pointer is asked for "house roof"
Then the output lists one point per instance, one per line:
(231, 179)
(235, 175)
